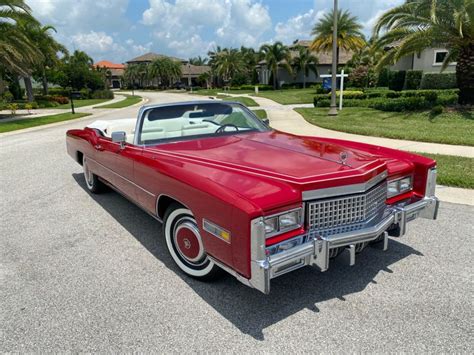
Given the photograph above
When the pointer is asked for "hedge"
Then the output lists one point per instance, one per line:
(413, 79)
(414, 100)
(396, 80)
(438, 81)
(103, 94)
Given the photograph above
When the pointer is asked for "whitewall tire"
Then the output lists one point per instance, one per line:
(185, 245)
(93, 183)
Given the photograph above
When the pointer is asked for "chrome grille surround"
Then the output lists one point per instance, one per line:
(346, 213)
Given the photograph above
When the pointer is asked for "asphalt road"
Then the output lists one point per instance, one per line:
(91, 273)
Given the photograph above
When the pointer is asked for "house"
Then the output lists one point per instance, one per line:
(323, 67)
(189, 73)
(114, 73)
(428, 60)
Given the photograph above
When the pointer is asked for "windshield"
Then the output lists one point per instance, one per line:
(188, 121)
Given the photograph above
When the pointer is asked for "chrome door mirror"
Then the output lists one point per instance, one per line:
(119, 137)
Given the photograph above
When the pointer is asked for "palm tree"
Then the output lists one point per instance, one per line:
(131, 74)
(306, 62)
(276, 55)
(49, 49)
(366, 58)
(198, 60)
(420, 24)
(349, 33)
(227, 63)
(18, 53)
(165, 70)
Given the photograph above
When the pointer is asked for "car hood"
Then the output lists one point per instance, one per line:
(285, 157)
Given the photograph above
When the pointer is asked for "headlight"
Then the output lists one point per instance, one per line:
(399, 186)
(283, 222)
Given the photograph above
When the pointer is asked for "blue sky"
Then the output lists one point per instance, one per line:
(119, 30)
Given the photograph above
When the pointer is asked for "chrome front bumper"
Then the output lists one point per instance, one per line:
(316, 250)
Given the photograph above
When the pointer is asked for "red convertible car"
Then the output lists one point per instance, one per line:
(235, 195)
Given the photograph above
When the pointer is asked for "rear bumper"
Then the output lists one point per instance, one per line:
(317, 249)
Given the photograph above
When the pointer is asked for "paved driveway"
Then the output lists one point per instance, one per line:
(91, 273)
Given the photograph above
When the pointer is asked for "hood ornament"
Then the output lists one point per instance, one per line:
(343, 158)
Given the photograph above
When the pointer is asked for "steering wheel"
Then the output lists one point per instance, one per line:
(221, 129)
(211, 121)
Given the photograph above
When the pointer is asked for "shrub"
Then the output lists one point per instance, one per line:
(323, 103)
(60, 99)
(319, 97)
(103, 94)
(261, 87)
(46, 103)
(400, 104)
(85, 93)
(384, 77)
(397, 80)
(438, 81)
(7, 96)
(320, 89)
(437, 110)
(447, 99)
(12, 107)
(353, 95)
(58, 92)
(413, 79)
(393, 94)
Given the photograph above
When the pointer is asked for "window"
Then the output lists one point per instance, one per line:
(196, 120)
(439, 57)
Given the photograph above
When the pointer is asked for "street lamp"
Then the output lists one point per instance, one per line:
(333, 108)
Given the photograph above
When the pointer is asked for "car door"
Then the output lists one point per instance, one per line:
(117, 164)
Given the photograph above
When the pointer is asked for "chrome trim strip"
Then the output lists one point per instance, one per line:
(344, 190)
(123, 178)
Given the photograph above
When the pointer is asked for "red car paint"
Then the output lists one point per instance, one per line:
(232, 179)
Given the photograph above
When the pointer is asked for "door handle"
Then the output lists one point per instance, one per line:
(99, 147)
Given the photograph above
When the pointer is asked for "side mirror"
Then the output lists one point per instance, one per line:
(266, 121)
(119, 137)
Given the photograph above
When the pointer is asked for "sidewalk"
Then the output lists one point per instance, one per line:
(23, 114)
(284, 118)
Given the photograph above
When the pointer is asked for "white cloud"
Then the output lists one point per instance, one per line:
(297, 27)
(181, 25)
(96, 42)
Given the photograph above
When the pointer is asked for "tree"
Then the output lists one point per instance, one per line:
(131, 75)
(276, 55)
(17, 51)
(166, 70)
(227, 63)
(363, 61)
(420, 24)
(76, 72)
(198, 60)
(305, 61)
(49, 49)
(349, 33)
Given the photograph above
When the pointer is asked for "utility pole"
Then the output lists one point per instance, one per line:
(333, 108)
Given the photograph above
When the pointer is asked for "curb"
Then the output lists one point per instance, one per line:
(85, 118)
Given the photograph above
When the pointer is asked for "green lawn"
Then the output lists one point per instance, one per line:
(448, 127)
(81, 103)
(291, 96)
(247, 101)
(128, 101)
(38, 121)
(454, 171)
(214, 92)
(260, 113)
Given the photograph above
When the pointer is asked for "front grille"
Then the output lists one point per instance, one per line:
(346, 213)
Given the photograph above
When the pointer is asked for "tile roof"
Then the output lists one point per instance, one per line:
(149, 57)
(108, 65)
